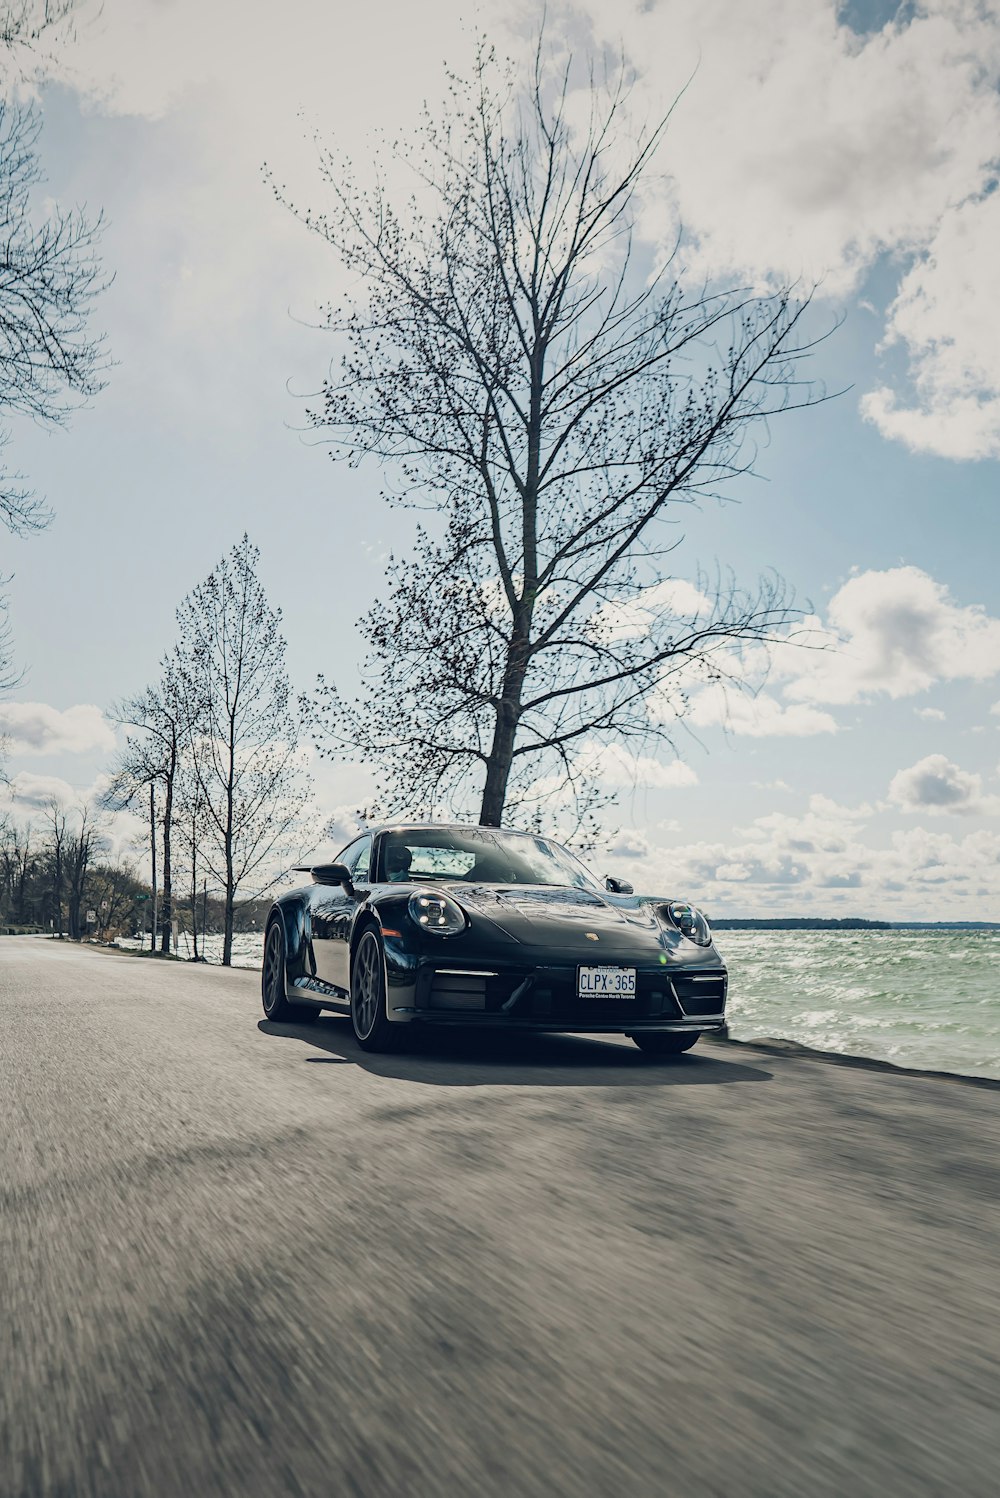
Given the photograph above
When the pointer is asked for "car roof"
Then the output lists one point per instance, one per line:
(406, 826)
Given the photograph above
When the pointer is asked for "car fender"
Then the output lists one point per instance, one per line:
(293, 912)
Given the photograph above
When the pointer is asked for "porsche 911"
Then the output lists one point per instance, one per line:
(429, 925)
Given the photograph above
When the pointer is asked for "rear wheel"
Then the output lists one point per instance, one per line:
(662, 1043)
(272, 983)
(372, 1028)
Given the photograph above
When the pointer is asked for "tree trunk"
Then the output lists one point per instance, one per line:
(166, 916)
(58, 891)
(152, 855)
(194, 889)
(227, 940)
(498, 766)
(505, 731)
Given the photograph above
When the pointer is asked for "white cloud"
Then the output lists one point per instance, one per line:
(936, 785)
(889, 633)
(613, 765)
(757, 716)
(946, 321)
(36, 728)
(673, 597)
(629, 843)
(343, 825)
(828, 861)
(894, 632)
(833, 149)
(799, 149)
(35, 792)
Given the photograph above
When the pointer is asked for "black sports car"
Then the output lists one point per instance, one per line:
(449, 925)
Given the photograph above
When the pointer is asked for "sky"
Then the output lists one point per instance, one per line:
(854, 147)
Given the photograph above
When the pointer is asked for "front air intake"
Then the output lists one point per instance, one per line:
(700, 994)
(457, 990)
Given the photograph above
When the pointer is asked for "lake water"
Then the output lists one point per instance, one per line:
(918, 998)
(922, 999)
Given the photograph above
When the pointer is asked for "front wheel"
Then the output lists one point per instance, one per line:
(372, 1028)
(272, 983)
(662, 1043)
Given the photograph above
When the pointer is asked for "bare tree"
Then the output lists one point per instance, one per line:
(18, 864)
(189, 808)
(49, 275)
(82, 846)
(56, 819)
(241, 729)
(556, 395)
(112, 888)
(151, 757)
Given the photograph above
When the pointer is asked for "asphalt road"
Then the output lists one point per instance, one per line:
(247, 1259)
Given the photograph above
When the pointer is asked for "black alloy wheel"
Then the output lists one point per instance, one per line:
(372, 1028)
(272, 983)
(663, 1043)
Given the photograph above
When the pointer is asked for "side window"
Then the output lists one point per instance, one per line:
(357, 857)
(363, 864)
(351, 854)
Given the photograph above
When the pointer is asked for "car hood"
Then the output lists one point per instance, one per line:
(548, 915)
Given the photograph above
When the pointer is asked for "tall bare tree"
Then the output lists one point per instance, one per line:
(241, 730)
(49, 272)
(50, 275)
(557, 394)
(151, 757)
(192, 832)
(19, 858)
(55, 815)
(82, 847)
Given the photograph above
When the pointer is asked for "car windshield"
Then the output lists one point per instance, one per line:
(479, 855)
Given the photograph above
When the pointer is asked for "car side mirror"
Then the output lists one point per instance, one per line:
(332, 873)
(618, 886)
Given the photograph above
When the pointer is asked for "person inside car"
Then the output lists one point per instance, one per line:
(397, 863)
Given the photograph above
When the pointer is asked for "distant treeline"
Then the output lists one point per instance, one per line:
(849, 923)
(804, 923)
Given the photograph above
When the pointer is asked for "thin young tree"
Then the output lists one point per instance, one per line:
(151, 758)
(189, 809)
(242, 735)
(557, 392)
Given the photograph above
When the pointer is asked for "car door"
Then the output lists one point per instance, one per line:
(333, 909)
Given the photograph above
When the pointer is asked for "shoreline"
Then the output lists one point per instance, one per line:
(777, 1046)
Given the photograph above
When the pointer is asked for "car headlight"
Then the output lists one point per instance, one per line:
(435, 912)
(690, 922)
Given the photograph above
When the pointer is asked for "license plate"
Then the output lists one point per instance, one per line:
(605, 982)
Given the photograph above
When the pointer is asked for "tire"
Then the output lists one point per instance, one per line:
(662, 1043)
(272, 983)
(372, 1028)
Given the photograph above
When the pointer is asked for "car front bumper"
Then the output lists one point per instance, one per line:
(684, 998)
